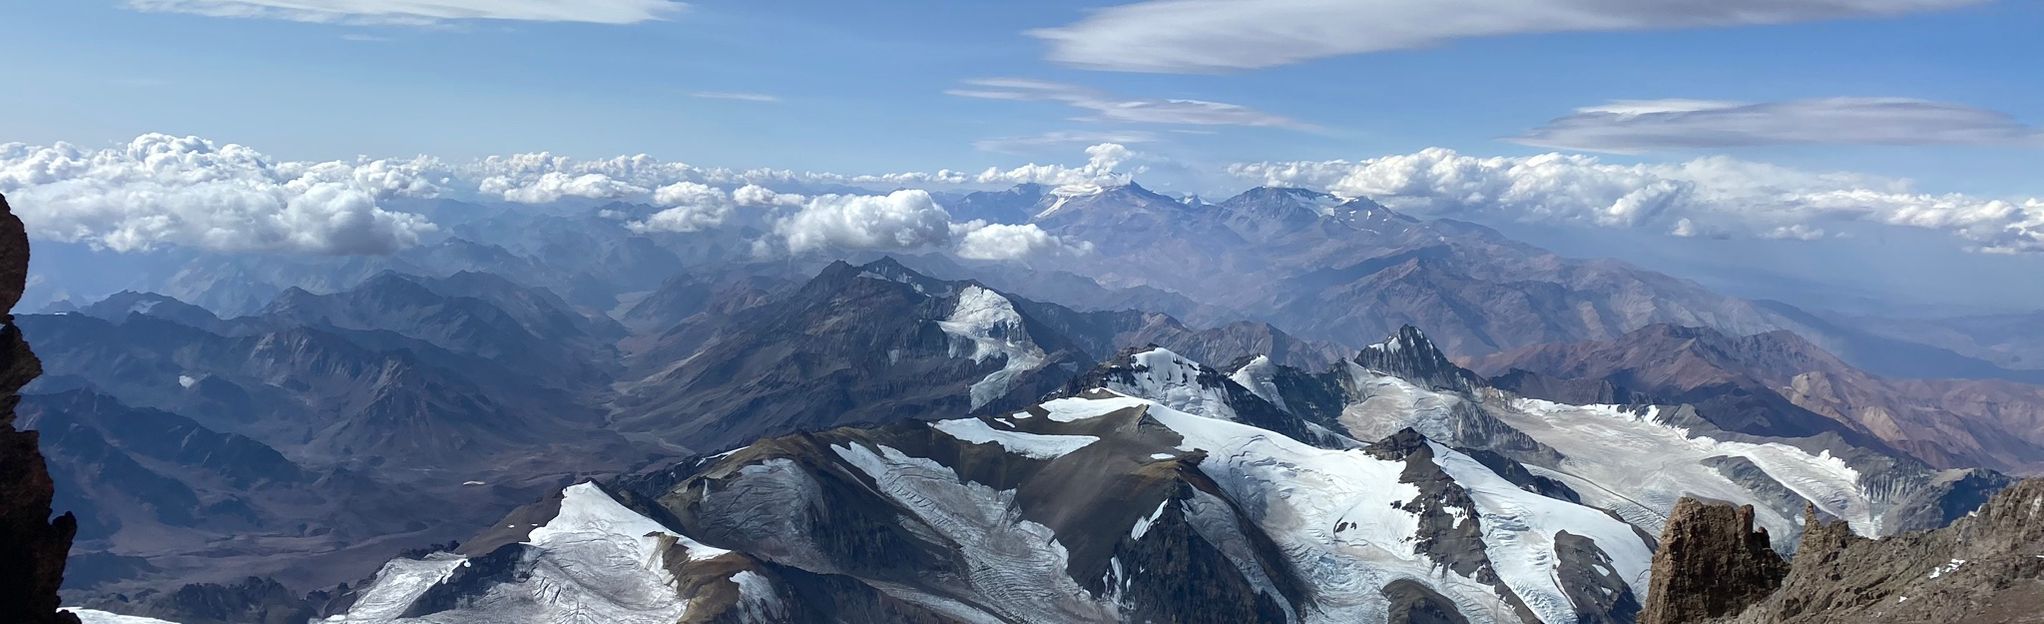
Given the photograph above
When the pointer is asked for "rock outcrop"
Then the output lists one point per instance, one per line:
(1712, 563)
(32, 545)
(1986, 567)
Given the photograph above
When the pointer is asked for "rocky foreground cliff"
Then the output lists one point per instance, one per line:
(32, 546)
(1986, 567)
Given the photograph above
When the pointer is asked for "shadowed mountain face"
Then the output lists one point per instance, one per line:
(306, 443)
(856, 344)
(157, 493)
(879, 343)
(1779, 384)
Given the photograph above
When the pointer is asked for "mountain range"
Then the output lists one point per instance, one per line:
(1283, 406)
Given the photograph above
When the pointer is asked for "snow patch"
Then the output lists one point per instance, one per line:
(1031, 445)
(1017, 565)
(1629, 461)
(1076, 409)
(986, 324)
(595, 561)
(398, 585)
(1168, 378)
(1259, 377)
(95, 616)
(1947, 568)
(1143, 524)
(1519, 529)
(1335, 513)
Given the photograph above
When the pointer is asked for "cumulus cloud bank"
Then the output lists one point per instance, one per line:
(160, 189)
(907, 220)
(1713, 196)
(1644, 125)
(543, 177)
(1224, 35)
(421, 12)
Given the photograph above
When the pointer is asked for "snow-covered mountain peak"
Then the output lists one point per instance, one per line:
(985, 324)
(1410, 355)
(595, 560)
(1168, 378)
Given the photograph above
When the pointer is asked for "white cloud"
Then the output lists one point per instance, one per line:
(1796, 231)
(1643, 125)
(1193, 36)
(902, 220)
(908, 220)
(1104, 107)
(421, 12)
(697, 207)
(737, 96)
(978, 240)
(544, 178)
(1703, 197)
(164, 190)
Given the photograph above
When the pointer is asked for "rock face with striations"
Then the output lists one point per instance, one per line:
(1712, 563)
(32, 546)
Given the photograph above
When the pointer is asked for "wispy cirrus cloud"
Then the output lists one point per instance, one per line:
(737, 96)
(1106, 107)
(1647, 125)
(1062, 138)
(421, 12)
(1204, 36)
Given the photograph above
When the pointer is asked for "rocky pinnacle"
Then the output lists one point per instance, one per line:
(1712, 563)
(32, 546)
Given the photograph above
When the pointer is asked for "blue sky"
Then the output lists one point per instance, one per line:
(862, 86)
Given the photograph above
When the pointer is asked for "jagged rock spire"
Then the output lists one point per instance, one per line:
(1410, 355)
(1712, 564)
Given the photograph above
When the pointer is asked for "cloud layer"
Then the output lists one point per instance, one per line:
(1198, 36)
(164, 190)
(1645, 125)
(1703, 197)
(421, 12)
(160, 190)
